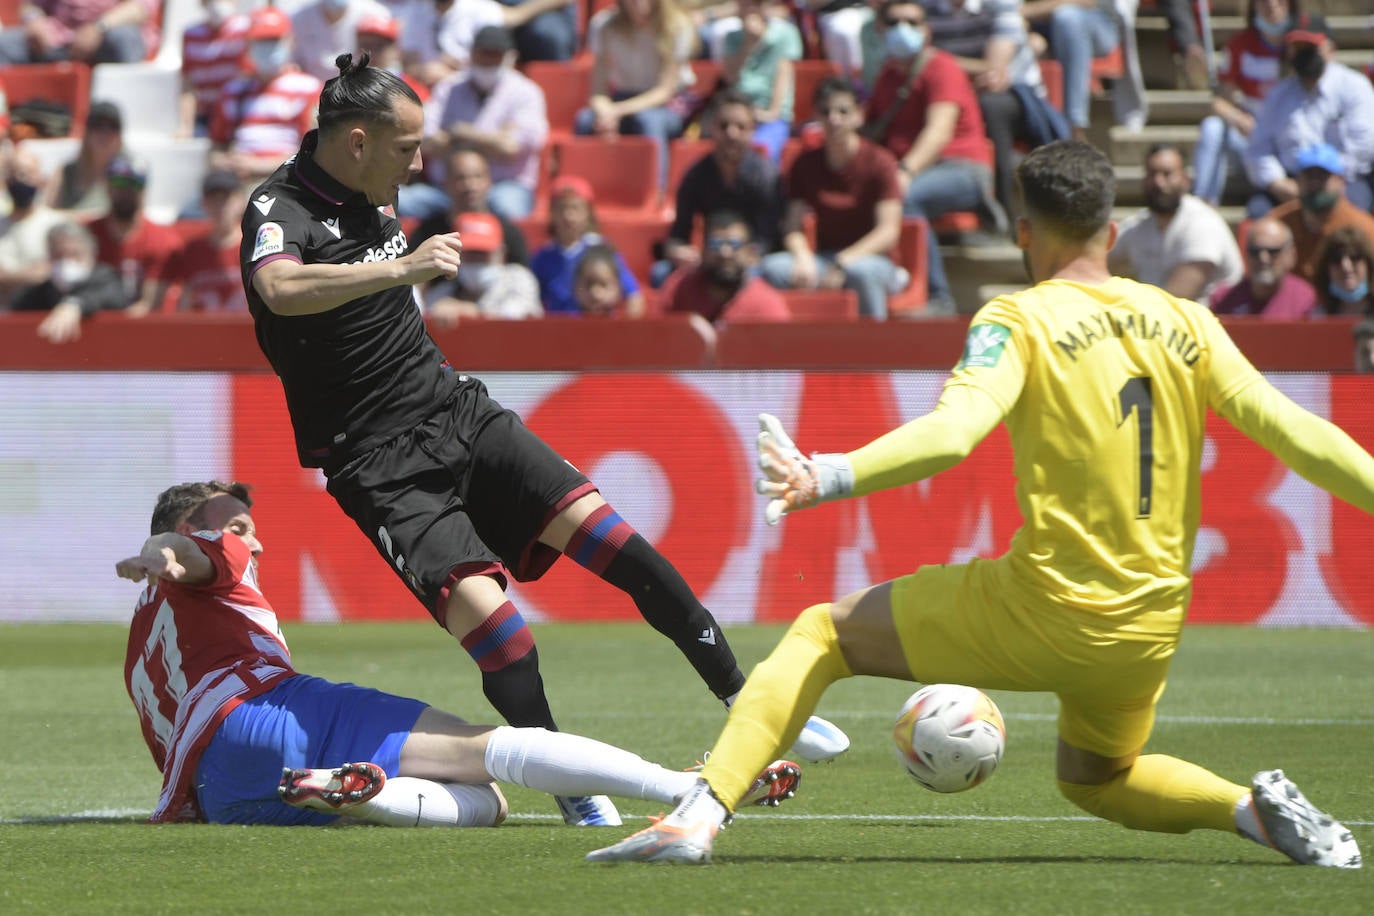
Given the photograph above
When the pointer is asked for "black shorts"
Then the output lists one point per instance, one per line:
(466, 492)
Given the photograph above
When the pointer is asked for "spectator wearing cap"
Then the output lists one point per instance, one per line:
(1269, 288)
(485, 286)
(208, 270)
(380, 38)
(467, 189)
(495, 109)
(74, 285)
(89, 31)
(437, 38)
(212, 53)
(81, 185)
(1322, 101)
(24, 232)
(262, 116)
(572, 230)
(1322, 206)
(324, 29)
(139, 250)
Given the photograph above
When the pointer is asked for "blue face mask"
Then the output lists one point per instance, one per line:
(904, 40)
(1273, 30)
(1349, 295)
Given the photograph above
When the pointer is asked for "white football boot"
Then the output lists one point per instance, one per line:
(1295, 827)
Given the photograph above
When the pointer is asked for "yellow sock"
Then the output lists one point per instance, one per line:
(1163, 794)
(781, 693)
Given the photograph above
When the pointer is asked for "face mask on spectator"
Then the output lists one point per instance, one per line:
(904, 40)
(479, 276)
(269, 56)
(1349, 295)
(220, 10)
(67, 273)
(485, 78)
(1273, 30)
(21, 192)
(1320, 201)
(1308, 63)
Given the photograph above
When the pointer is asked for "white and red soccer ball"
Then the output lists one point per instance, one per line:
(949, 737)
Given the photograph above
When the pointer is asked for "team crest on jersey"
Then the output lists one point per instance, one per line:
(270, 240)
(984, 346)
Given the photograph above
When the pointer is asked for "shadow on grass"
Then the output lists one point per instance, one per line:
(984, 860)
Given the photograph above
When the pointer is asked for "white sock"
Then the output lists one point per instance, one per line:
(1248, 823)
(563, 764)
(696, 806)
(730, 700)
(406, 801)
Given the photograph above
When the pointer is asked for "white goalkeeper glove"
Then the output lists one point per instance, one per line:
(793, 481)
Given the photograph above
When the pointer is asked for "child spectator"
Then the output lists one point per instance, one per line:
(572, 227)
(642, 74)
(758, 64)
(597, 287)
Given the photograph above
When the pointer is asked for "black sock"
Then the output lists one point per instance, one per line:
(666, 602)
(517, 692)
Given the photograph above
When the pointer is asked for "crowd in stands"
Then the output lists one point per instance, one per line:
(740, 160)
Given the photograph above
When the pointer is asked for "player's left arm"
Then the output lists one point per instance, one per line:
(168, 556)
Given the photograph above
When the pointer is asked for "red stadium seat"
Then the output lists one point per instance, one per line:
(635, 239)
(1052, 72)
(682, 155)
(64, 82)
(1109, 66)
(808, 75)
(708, 74)
(822, 304)
(567, 88)
(913, 255)
(622, 170)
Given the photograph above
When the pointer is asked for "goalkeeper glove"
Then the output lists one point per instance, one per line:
(792, 480)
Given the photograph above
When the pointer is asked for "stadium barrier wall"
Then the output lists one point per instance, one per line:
(90, 433)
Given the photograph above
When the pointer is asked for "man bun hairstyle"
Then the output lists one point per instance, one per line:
(184, 501)
(1069, 187)
(361, 93)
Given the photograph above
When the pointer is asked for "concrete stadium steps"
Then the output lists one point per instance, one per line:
(1130, 147)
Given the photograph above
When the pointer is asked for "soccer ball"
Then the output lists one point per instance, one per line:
(949, 737)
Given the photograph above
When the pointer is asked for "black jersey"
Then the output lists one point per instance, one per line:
(357, 375)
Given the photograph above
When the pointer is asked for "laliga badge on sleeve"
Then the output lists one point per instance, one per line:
(270, 240)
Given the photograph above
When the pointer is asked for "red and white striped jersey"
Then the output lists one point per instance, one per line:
(1250, 64)
(266, 119)
(212, 56)
(195, 653)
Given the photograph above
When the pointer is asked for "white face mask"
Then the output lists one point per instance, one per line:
(485, 78)
(269, 57)
(479, 276)
(219, 10)
(67, 273)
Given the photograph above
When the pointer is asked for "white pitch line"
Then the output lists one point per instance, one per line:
(837, 714)
(760, 817)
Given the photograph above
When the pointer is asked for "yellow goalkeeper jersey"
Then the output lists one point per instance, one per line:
(1104, 390)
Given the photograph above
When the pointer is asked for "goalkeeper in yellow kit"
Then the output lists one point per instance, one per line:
(1104, 385)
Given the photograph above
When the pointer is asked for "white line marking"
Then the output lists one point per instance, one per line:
(767, 816)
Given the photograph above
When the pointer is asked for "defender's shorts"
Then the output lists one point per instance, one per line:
(962, 624)
(302, 722)
(466, 491)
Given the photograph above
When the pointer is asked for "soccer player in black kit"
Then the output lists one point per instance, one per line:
(452, 489)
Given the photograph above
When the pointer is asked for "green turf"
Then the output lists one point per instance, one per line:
(1239, 700)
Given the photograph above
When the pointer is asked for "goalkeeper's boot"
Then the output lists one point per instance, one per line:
(330, 790)
(683, 837)
(588, 811)
(1297, 828)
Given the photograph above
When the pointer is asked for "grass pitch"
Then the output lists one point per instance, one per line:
(860, 838)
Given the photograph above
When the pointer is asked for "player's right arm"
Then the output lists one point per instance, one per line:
(168, 556)
(289, 287)
(1316, 449)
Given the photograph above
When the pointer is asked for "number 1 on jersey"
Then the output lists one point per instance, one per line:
(1136, 398)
